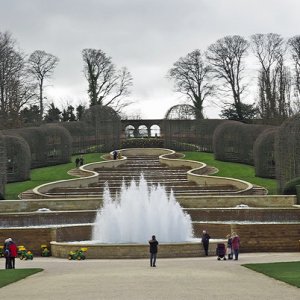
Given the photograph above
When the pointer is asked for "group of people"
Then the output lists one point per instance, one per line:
(233, 244)
(10, 252)
(79, 161)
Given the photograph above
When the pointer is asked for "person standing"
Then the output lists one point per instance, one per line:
(13, 253)
(229, 246)
(77, 160)
(81, 160)
(7, 253)
(205, 241)
(153, 251)
(235, 245)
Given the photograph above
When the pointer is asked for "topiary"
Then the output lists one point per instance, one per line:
(290, 186)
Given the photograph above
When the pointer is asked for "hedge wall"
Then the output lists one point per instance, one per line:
(2, 166)
(18, 158)
(58, 144)
(287, 151)
(82, 137)
(264, 153)
(104, 126)
(233, 141)
(36, 140)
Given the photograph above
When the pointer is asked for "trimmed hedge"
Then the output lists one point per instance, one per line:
(233, 141)
(290, 188)
(142, 143)
(264, 154)
(18, 158)
(3, 160)
(104, 124)
(287, 151)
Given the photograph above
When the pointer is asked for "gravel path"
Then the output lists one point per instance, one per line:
(184, 278)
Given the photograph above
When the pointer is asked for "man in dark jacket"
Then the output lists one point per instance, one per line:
(205, 241)
(153, 251)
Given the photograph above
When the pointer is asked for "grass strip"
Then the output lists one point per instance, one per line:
(47, 174)
(13, 275)
(234, 170)
(287, 272)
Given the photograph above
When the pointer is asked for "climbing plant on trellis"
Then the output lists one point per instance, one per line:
(287, 151)
(36, 140)
(233, 141)
(264, 153)
(58, 144)
(2, 166)
(18, 158)
(104, 126)
(81, 136)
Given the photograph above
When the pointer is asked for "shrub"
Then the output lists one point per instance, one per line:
(290, 186)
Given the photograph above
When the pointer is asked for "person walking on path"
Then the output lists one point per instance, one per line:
(153, 251)
(205, 241)
(235, 245)
(13, 253)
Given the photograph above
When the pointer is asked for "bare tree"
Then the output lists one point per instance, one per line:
(273, 80)
(16, 91)
(107, 86)
(41, 66)
(192, 78)
(294, 45)
(227, 56)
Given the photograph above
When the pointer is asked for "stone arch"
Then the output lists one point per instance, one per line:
(155, 130)
(143, 131)
(129, 131)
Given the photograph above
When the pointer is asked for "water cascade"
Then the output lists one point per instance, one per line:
(139, 211)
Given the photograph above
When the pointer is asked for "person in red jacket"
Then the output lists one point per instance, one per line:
(13, 252)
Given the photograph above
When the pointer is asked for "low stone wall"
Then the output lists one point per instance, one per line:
(255, 237)
(134, 251)
(232, 201)
(9, 206)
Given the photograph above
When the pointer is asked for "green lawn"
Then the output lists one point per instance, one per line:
(47, 174)
(284, 271)
(234, 170)
(11, 276)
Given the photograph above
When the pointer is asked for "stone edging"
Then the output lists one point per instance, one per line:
(242, 186)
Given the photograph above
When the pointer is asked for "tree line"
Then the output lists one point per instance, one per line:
(221, 71)
(23, 80)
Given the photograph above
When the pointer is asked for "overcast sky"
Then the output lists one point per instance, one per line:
(145, 36)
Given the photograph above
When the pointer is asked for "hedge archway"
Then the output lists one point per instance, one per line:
(233, 141)
(287, 151)
(18, 158)
(58, 144)
(2, 166)
(104, 124)
(264, 154)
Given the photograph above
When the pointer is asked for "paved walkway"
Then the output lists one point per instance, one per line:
(184, 278)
